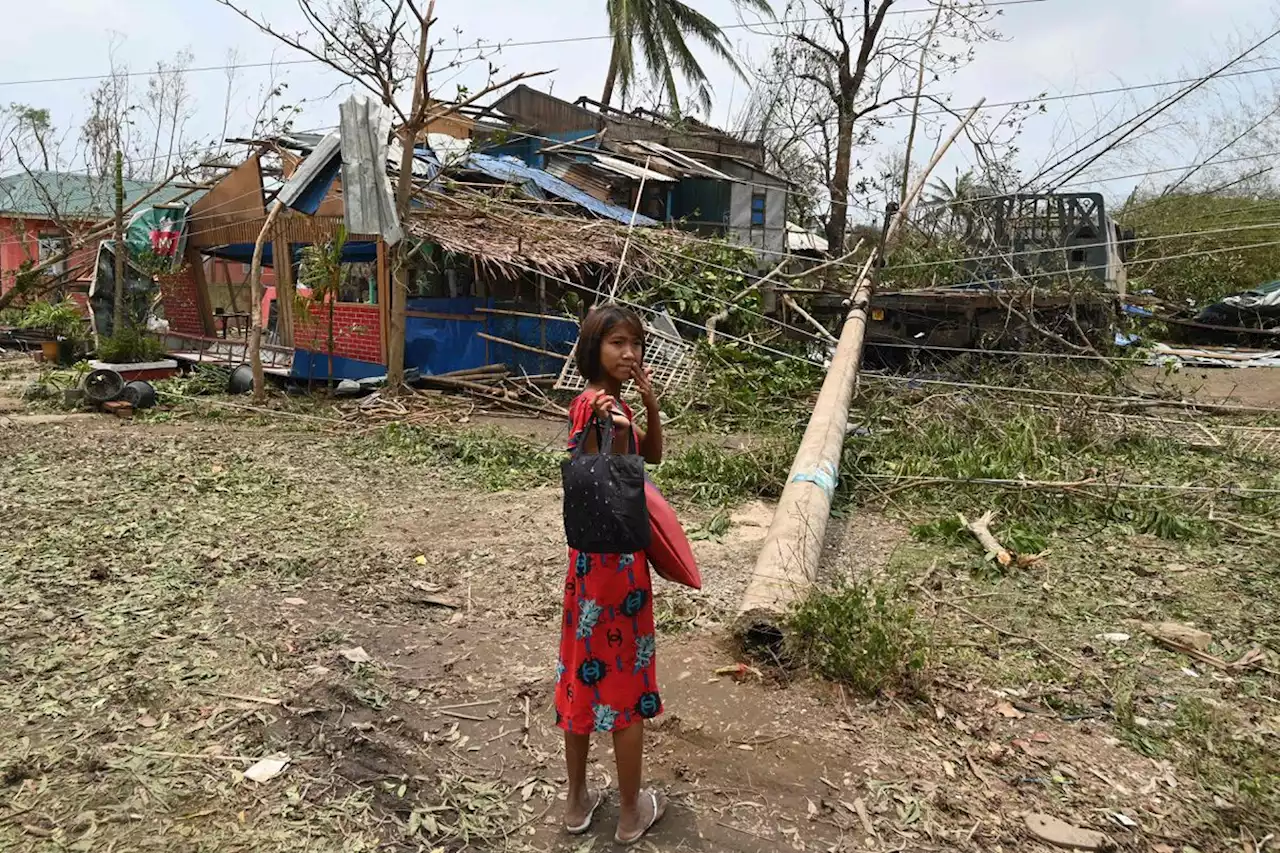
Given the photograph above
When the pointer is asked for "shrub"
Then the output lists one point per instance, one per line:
(131, 345)
(860, 635)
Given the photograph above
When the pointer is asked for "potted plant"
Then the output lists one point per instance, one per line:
(62, 325)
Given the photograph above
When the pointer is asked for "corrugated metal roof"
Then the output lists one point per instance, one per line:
(368, 205)
(597, 182)
(514, 171)
(73, 196)
(800, 240)
(682, 160)
(629, 170)
(310, 182)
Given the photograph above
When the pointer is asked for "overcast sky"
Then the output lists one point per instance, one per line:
(1055, 46)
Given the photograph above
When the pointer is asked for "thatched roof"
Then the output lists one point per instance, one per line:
(506, 239)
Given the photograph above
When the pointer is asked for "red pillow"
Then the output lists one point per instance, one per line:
(669, 552)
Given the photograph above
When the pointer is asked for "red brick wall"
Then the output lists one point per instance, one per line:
(357, 332)
(181, 303)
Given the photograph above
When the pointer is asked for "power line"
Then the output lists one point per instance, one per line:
(479, 46)
(873, 210)
(1162, 107)
(973, 385)
(810, 334)
(980, 386)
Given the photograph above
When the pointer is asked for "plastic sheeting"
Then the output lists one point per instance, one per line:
(315, 366)
(437, 346)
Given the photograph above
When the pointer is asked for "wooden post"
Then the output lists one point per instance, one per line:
(285, 287)
(384, 300)
(204, 304)
(542, 310)
(255, 310)
(121, 253)
(788, 562)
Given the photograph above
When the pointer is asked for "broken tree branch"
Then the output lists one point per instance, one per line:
(981, 530)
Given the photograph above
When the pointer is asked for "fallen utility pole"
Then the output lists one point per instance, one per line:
(788, 561)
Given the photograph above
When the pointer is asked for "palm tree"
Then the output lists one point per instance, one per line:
(660, 29)
(958, 199)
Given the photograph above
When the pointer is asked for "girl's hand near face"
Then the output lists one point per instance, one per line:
(642, 376)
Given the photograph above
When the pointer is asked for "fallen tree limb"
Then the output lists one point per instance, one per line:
(1235, 525)
(821, 329)
(981, 530)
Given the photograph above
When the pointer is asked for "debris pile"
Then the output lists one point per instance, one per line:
(492, 386)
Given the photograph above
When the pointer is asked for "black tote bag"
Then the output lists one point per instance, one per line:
(604, 503)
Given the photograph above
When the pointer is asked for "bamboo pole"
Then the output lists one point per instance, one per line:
(788, 562)
(497, 340)
(527, 314)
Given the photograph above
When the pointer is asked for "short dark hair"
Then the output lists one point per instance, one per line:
(600, 321)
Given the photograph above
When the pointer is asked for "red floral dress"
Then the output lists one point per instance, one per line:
(606, 677)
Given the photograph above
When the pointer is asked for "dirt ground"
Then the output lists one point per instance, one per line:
(1241, 387)
(185, 599)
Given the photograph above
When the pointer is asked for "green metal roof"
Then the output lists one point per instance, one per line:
(72, 195)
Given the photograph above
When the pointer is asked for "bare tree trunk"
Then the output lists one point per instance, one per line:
(915, 107)
(117, 303)
(400, 270)
(839, 189)
(610, 78)
(404, 198)
(255, 309)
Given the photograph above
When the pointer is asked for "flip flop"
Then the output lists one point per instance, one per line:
(586, 824)
(657, 816)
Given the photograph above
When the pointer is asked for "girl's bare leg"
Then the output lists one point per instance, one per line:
(580, 800)
(637, 812)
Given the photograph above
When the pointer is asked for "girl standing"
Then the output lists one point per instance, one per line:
(606, 680)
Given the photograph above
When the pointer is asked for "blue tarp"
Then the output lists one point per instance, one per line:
(315, 366)
(528, 147)
(437, 346)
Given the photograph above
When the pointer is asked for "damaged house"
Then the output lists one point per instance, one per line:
(683, 173)
(497, 246)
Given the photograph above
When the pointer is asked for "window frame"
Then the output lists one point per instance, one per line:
(763, 199)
